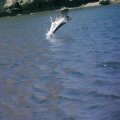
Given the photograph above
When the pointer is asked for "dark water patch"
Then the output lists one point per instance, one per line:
(111, 68)
(116, 38)
(72, 92)
(65, 98)
(117, 48)
(93, 107)
(114, 65)
(76, 74)
(40, 101)
(115, 115)
(106, 82)
(113, 72)
(103, 95)
(3, 64)
(100, 82)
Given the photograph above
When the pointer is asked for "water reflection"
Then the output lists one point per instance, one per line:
(58, 42)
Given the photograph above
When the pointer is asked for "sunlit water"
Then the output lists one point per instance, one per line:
(73, 76)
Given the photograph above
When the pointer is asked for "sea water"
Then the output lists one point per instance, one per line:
(73, 76)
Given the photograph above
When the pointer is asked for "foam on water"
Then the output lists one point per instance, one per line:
(48, 35)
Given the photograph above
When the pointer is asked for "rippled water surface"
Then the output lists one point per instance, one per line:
(73, 76)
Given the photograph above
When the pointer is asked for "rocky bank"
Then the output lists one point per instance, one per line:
(106, 2)
(14, 7)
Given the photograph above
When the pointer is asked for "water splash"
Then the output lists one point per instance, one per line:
(49, 35)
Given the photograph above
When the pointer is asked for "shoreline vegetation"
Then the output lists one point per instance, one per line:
(18, 11)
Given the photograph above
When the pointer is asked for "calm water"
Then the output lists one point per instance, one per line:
(73, 76)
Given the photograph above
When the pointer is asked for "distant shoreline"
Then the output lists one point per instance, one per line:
(95, 4)
(88, 5)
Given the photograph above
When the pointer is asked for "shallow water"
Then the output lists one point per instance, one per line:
(73, 76)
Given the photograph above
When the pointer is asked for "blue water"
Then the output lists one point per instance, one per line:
(73, 76)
